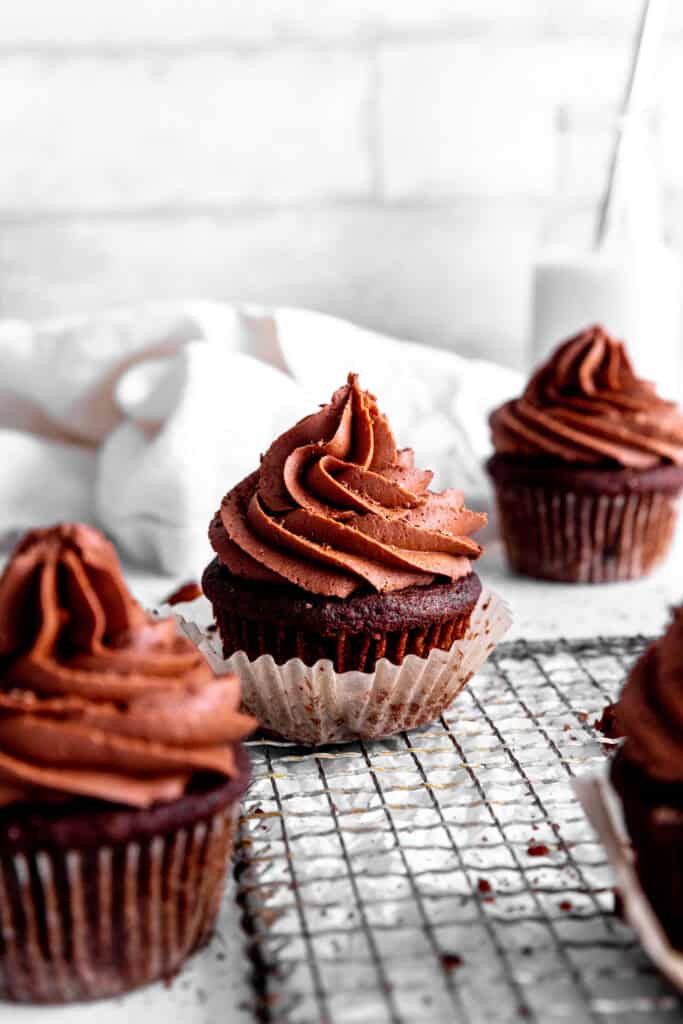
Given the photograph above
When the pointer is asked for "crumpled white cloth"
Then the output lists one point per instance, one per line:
(140, 420)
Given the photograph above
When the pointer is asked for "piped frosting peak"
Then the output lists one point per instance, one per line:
(650, 710)
(586, 405)
(97, 697)
(336, 507)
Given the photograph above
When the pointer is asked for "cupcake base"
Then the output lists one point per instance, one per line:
(95, 901)
(584, 524)
(354, 634)
(315, 704)
(653, 812)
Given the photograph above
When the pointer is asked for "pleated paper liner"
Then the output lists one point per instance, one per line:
(314, 704)
(602, 806)
(83, 924)
(582, 537)
(84, 920)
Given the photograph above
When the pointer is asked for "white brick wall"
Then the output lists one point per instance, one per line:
(477, 116)
(84, 22)
(206, 129)
(386, 160)
(426, 273)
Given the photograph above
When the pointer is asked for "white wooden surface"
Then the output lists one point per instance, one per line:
(387, 161)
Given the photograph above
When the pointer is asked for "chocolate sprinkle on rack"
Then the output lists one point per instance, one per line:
(359, 866)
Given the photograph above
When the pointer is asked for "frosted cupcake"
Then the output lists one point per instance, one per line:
(647, 772)
(335, 553)
(588, 467)
(120, 778)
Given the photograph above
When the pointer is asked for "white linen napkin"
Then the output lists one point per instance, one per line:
(139, 420)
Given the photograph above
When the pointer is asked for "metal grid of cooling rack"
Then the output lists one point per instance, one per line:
(447, 873)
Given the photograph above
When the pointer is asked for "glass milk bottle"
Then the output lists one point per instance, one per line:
(628, 279)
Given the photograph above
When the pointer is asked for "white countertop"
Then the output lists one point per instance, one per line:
(213, 988)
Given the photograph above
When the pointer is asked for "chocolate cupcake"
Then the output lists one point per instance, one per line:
(120, 778)
(647, 772)
(588, 467)
(335, 552)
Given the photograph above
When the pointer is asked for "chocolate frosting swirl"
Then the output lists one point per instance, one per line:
(586, 405)
(98, 698)
(650, 710)
(336, 507)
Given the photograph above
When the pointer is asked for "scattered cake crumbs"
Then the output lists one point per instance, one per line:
(450, 961)
(537, 850)
(608, 723)
(189, 591)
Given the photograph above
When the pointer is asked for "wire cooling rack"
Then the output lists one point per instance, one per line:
(447, 874)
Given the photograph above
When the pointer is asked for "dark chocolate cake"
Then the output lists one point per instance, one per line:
(120, 778)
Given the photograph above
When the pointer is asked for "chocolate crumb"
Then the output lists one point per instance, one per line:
(618, 904)
(566, 905)
(537, 850)
(483, 885)
(189, 591)
(449, 961)
(608, 723)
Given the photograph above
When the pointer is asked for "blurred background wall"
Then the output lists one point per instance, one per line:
(385, 160)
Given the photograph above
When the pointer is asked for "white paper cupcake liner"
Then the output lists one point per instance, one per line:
(316, 705)
(602, 806)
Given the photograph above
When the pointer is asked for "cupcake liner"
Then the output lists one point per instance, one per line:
(603, 809)
(82, 924)
(314, 704)
(583, 537)
(348, 651)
